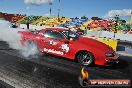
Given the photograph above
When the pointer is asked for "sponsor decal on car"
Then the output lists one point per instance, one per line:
(53, 51)
(52, 42)
(65, 47)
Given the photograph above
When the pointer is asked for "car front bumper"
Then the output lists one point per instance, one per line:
(112, 60)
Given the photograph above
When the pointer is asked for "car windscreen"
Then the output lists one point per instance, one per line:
(54, 34)
(71, 35)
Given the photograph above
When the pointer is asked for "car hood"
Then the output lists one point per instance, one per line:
(94, 44)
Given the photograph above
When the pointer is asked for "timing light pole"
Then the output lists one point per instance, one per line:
(50, 3)
(116, 24)
(131, 21)
(59, 11)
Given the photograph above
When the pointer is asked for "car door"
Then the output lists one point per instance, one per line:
(52, 43)
(60, 46)
(46, 41)
(43, 42)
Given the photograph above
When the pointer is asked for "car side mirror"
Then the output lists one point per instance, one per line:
(65, 41)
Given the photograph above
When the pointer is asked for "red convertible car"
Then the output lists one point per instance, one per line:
(66, 43)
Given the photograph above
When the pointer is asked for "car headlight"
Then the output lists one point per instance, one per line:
(109, 54)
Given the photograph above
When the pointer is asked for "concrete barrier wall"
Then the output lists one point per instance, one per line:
(108, 34)
(32, 27)
(127, 37)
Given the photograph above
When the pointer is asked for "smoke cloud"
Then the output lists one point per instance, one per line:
(113, 13)
(38, 2)
(11, 37)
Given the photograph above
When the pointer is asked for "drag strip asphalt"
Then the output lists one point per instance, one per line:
(48, 71)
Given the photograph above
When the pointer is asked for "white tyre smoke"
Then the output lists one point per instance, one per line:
(11, 37)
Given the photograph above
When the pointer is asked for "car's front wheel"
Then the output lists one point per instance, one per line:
(85, 58)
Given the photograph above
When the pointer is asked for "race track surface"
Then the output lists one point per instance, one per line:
(48, 71)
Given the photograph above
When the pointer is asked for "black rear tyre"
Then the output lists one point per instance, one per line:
(33, 48)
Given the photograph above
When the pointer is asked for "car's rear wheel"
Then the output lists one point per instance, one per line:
(85, 58)
(33, 48)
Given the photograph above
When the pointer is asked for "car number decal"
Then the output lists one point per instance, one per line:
(52, 42)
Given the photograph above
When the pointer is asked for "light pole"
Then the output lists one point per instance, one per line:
(131, 21)
(59, 11)
(50, 3)
(116, 24)
(28, 19)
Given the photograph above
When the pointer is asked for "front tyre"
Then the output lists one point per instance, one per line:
(85, 58)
